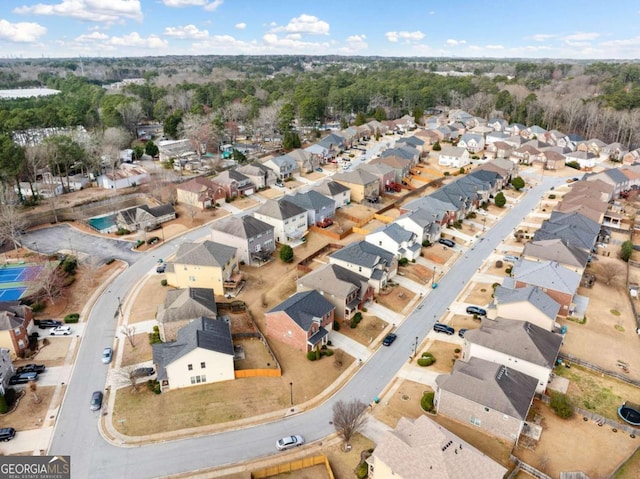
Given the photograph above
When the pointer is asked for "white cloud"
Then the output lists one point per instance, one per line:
(21, 32)
(453, 42)
(209, 6)
(305, 24)
(542, 37)
(135, 40)
(354, 44)
(408, 37)
(92, 37)
(581, 37)
(494, 47)
(187, 31)
(241, 26)
(294, 36)
(91, 10)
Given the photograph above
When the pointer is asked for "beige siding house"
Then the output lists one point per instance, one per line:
(362, 184)
(529, 303)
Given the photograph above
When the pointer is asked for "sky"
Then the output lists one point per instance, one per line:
(568, 29)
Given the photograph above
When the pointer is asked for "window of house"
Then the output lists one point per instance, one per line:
(192, 278)
(190, 367)
(20, 343)
(475, 421)
(203, 365)
(16, 330)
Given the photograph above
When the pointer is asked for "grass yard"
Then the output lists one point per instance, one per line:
(479, 294)
(395, 298)
(29, 414)
(367, 330)
(138, 354)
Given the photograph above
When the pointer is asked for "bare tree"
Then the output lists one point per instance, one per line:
(348, 419)
(610, 272)
(131, 114)
(129, 332)
(35, 161)
(50, 283)
(91, 266)
(112, 141)
(128, 374)
(11, 223)
(192, 211)
(199, 131)
(33, 387)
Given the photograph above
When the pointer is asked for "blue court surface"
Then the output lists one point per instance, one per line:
(12, 275)
(11, 294)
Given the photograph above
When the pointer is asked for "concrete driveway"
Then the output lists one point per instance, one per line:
(63, 237)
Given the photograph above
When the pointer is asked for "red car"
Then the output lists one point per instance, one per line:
(324, 223)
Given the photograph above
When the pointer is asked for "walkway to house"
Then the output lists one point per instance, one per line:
(351, 347)
(385, 314)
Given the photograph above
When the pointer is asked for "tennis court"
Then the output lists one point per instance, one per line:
(13, 274)
(12, 294)
(14, 279)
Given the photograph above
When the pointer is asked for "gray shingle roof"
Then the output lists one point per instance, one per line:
(304, 307)
(364, 254)
(557, 250)
(492, 385)
(207, 253)
(330, 188)
(311, 200)
(396, 232)
(242, 227)
(357, 177)
(532, 294)
(280, 209)
(189, 303)
(520, 339)
(335, 280)
(546, 274)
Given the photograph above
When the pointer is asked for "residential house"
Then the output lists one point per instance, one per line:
(253, 239)
(526, 154)
(284, 166)
(385, 173)
(422, 449)
(181, 306)
(205, 265)
(473, 143)
(16, 323)
(334, 143)
(585, 159)
(496, 136)
(616, 152)
(498, 124)
(558, 250)
(528, 303)
(302, 321)
(363, 185)
(452, 156)
(424, 223)
(375, 263)
(406, 151)
(482, 130)
(533, 132)
(496, 181)
(462, 203)
(584, 204)
(574, 228)
(445, 212)
(595, 146)
(413, 142)
(492, 397)
(554, 279)
(306, 160)
(6, 369)
(520, 345)
(235, 183)
(170, 149)
(317, 206)
(260, 175)
(428, 136)
(515, 129)
(200, 192)
(338, 192)
(347, 291)
(145, 217)
(516, 141)
(457, 115)
(123, 177)
(202, 354)
(614, 177)
(397, 240)
(553, 160)
(288, 220)
(499, 149)
(401, 167)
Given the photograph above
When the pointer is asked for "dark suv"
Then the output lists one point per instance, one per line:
(23, 378)
(7, 433)
(476, 310)
(31, 368)
(49, 323)
(447, 242)
(443, 328)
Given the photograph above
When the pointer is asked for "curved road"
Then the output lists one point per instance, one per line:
(76, 431)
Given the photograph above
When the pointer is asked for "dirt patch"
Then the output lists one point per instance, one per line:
(367, 331)
(395, 297)
(139, 353)
(53, 354)
(148, 298)
(29, 414)
(244, 203)
(444, 352)
(416, 272)
(479, 294)
(438, 253)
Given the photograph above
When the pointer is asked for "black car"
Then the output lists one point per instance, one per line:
(143, 372)
(23, 378)
(96, 401)
(443, 328)
(7, 433)
(476, 310)
(31, 368)
(161, 268)
(48, 323)
(390, 338)
(447, 242)
(461, 332)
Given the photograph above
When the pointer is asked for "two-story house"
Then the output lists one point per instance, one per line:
(452, 156)
(317, 206)
(284, 166)
(363, 185)
(200, 192)
(181, 306)
(528, 303)
(253, 239)
(473, 143)
(202, 354)
(235, 183)
(260, 175)
(397, 240)
(302, 321)
(424, 223)
(519, 345)
(375, 263)
(401, 166)
(288, 220)
(16, 322)
(558, 250)
(386, 174)
(338, 192)
(205, 265)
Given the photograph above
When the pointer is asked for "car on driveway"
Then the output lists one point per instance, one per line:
(96, 401)
(48, 323)
(509, 258)
(389, 339)
(481, 212)
(23, 378)
(7, 433)
(60, 331)
(289, 442)
(476, 310)
(461, 332)
(31, 368)
(319, 170)
(143, 372)
(107, 355)
(161, 268)
(443, 328)
(447, 242)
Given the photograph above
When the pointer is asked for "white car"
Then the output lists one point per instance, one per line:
(481, 212)
(289, 442)
(60, 331)
(509, 258)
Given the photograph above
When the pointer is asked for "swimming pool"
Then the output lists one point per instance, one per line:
(103, 224)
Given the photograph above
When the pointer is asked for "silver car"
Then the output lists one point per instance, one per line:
(289, 442)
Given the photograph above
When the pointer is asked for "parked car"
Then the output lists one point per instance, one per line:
(509, 258)
(447, 242)
(279, 184)
(319, 170)
(161, 268)
(23, 378)
(60, 331)
(476, 310)
(48, 323)
(443, 328)
(143, 372)
(96, 400)
(481, 212)
(461, 332)
(7, 433)
(289, 442)
(107, 355)
(325, 223)
(389, 339)
(31, 368)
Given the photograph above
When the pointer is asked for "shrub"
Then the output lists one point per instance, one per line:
(163, 282)
(286, 254)
(336, 325)
(154, 338)
(426, 243)
(328, 352)
(403, 261)
(500, 200)
(426, 402)
(508, 270)
(37, 307)
(561, 404)
(311, 356)
(457, 350)
(69, 265)
(68, 281)
(426, 361)
(356, 319)
(552, 197)
(72, 318)
(362, 471)
(122, 231)
(364, 310)
(4, 407)
(446, 173)
(109, 261)
(626, 250)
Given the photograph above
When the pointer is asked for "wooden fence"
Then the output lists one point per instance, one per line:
(572, 359)
(292, 466)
